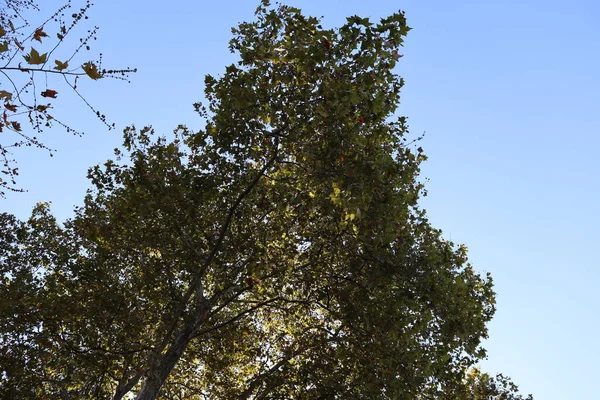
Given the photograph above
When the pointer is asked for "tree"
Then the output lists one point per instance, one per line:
(277, 253)
(481, 386)
(27, 89)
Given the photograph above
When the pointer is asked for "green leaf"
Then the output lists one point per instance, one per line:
(60, 66)
(322, 112)
(35, 58)
(91, 70)
(354, 97)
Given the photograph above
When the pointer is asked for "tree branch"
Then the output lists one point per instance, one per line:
(224, 228)
(49, 71)
(237, 317)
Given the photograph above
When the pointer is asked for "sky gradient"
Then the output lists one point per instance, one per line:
(506, 93)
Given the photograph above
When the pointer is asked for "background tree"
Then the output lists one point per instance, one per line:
(30, 56)
(277, 253)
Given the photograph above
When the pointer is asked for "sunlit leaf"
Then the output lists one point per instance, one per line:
(91, 70)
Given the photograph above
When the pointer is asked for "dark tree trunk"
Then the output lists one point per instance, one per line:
(159, 373)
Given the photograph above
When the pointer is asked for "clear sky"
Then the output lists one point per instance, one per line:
(507, 93)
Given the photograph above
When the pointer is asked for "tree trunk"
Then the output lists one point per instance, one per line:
(158, 374)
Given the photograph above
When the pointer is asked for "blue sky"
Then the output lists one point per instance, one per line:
(507, 93)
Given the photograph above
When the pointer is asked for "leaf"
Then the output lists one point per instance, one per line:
(349, 216)
(153, 253)
(5, 95)
(91, 70)
(2, 31)
(266, 119)
(3, 47)
(49, 93)
(354, 97)
(16, 126)
(34, 58)
(39, 34)
(19, 45)
(11, 107)
(61, 65)
(322, 112)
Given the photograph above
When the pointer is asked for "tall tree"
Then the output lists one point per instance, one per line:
(277, 253)
(30, 57)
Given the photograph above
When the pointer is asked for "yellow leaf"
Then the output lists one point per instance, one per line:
(91, 70)
(153, 253)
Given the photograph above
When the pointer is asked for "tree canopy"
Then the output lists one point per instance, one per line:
(279, 252)
(481, 386)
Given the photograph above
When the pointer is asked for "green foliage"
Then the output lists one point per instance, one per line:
(480, 386)
(277, 253)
